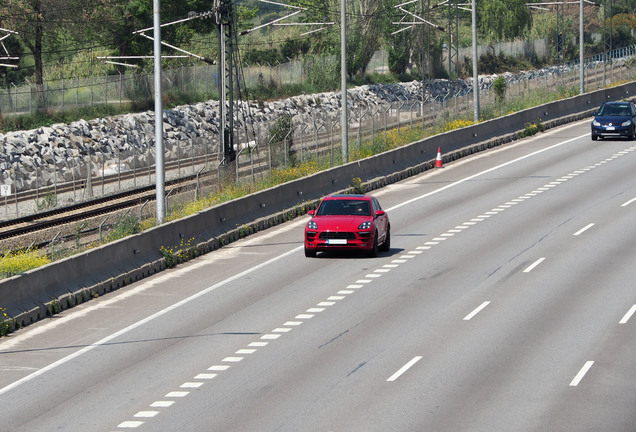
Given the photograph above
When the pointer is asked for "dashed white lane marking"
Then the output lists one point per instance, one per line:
(476, 311)
(238, 359)
(191, 385)
(219, 368)
(404, 368)
(147, 414)
(582, 230)
(534, 265)
(628, 315)
(162, 404)
(130, 424)
(628, 202)
(205, 376)
(579, 376)
(177, 394)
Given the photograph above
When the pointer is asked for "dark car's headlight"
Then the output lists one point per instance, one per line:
(595, 123)
(312, 225)
(365, 225)
(627, 123)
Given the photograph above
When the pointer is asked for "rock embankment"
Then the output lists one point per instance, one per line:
(67, 152)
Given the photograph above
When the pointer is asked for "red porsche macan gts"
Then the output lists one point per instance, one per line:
(348, 223)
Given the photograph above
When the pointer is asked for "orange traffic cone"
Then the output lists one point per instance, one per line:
(438, 161)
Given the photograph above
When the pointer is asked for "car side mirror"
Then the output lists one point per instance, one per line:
(311, 212)
(379, 213)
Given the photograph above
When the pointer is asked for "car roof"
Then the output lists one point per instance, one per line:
(618, 103)
(348, 196)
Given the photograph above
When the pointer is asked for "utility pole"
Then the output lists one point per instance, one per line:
(581, 59)
(344, 124)
(159, 150)
(475, 68)
(225, 22)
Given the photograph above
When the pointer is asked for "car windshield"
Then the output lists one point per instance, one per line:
(344, 207)
(614, 110)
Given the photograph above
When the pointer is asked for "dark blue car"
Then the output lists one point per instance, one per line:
(614, 120)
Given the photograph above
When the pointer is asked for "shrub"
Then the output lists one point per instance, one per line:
(126, 225)
(6, 323)
(19, 261)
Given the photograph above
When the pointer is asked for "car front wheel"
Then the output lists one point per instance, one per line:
(310, 253)
(373, 252)
(594, 137)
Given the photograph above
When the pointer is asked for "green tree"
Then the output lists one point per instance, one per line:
(38, 22)
(503, 19)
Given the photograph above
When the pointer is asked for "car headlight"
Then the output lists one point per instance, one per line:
(365, 225)
(595, 123)
(312, 225)
(627, 123)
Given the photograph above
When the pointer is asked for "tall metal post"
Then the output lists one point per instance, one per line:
(475, 68)
(159, 150)
(344, 126)
(581, 58)
(222, 89)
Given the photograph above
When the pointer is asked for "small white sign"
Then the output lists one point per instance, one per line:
(5, 190)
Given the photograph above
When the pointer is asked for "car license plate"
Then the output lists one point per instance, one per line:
(337, 241)
(611, 128)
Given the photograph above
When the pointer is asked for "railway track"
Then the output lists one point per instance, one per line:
(102, 206)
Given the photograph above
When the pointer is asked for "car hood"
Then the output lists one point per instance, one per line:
(615, 120)
(340, 223)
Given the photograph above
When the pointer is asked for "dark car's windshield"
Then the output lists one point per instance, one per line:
(614, 110)
(344, 207)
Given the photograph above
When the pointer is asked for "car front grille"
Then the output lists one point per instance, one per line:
(337, 236)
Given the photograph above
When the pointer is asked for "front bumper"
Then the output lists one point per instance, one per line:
(330, 240)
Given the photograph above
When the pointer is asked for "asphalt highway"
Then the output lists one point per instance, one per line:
(506, 303)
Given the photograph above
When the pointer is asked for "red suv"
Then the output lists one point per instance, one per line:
(348, 223)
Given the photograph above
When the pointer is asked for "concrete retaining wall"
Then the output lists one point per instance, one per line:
(36, 293)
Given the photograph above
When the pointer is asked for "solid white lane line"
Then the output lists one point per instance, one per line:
(404, 368)
(582, 230)
(628, 202)
(579, 376)
(628, 315)
(476, 311)
(533, 265)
